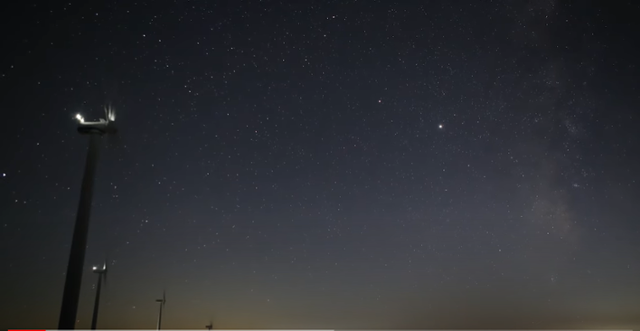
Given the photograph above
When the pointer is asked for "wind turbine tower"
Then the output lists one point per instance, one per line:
(102, 274)
(73, 280)
(162, 302)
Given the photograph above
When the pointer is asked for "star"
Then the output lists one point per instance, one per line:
(255, 145)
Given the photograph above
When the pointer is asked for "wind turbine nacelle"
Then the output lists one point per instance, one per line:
(102, 127)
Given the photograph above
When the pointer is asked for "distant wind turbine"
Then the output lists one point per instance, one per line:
(162, 303)
(102, 274)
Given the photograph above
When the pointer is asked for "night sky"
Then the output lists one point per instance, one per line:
(326, 164)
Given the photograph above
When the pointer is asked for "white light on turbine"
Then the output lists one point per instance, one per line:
(80, 118)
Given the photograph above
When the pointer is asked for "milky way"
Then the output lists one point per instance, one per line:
(361, 164)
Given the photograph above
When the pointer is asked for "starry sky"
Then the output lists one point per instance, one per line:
(326, 164)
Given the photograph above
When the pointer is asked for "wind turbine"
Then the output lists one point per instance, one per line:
(102, 274)
(162, 303)
(73, 281)
(209, 326)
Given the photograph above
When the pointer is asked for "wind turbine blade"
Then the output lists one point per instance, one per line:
(164, 297)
